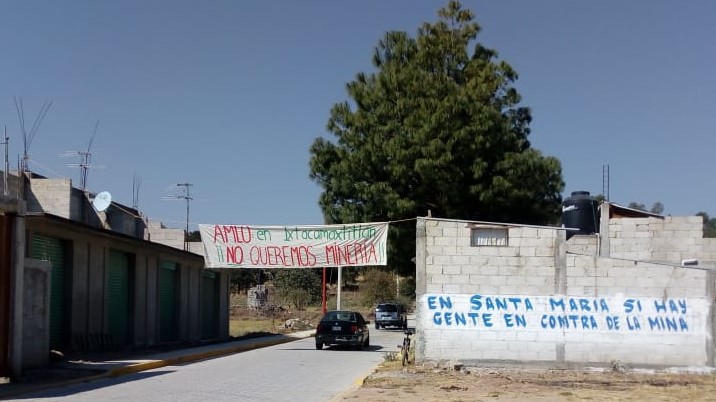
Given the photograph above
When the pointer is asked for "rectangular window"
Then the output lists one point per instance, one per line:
(488, 237)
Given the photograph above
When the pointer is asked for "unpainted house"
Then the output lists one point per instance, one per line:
(75, 278)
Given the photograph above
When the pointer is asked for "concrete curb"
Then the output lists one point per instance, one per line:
(358, 383)
(153, 364)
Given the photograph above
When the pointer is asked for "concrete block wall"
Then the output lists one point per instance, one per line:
(52, 196)
(170, 237)
(708, 252)
(533, 302)
(125, 222)
(12, 184)
(155, 231)
(453, 266)
(36, 314)
(583, 244)
(669, 239)
(658, 315)
(454, 271)
(196, 247)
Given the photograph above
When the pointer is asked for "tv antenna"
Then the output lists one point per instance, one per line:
(27, 137)
(85, 159)
(136, 183)
(605, 182)
(184, 195)
(6, 142)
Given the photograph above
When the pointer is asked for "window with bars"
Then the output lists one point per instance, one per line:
(489, 237)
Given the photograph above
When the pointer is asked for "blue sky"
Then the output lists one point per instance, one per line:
(229, 95)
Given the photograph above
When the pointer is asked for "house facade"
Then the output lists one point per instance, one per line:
(640, 291)
(79, 279)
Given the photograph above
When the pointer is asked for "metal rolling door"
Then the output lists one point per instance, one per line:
(118, 297)
(51, 249)
(167, 301)
(209, 305)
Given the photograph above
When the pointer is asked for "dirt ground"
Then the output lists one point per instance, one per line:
(430, 382)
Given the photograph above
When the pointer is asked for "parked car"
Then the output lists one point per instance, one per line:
(391, 314)
(342, 327)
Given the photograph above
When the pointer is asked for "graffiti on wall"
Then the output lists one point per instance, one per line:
(564, 313)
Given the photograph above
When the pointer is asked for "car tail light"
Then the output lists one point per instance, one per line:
(318, 328)
(354, 328)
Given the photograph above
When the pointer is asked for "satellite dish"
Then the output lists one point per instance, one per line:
(102, 200)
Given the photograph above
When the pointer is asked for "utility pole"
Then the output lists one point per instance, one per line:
(188, 199)
(7, 165)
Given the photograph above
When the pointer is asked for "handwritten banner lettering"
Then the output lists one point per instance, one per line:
(236, 246)
(564, 313)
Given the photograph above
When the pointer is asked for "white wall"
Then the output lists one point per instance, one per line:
(667, 239)
(504, 304)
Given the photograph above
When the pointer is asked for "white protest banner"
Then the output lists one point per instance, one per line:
(237, 246)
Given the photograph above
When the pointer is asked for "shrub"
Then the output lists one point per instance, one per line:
(377, 285)
(298, 298)
(407, 287)
(298, 287)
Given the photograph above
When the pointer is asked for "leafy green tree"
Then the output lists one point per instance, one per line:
(636, 205)
(435, 129)
(657, 208)
(709, 224)
(192, 236)
(378, 285)
(243, 279)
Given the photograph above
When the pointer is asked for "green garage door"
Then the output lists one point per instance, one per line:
(51, 249)
(168, 274)
(209, 305)
(118, 301)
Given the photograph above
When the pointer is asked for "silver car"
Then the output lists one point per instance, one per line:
(391, 314)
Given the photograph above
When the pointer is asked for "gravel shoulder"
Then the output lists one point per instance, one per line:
(430, 382)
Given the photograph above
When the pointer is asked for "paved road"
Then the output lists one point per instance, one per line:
(293, 371)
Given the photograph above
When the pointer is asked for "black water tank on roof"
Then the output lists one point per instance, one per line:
(579, 211)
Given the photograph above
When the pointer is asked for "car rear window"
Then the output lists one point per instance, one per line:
(389, 308)
(340, 317)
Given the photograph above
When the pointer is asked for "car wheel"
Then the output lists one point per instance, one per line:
(319, 345)
(377, 326)
(367, 341)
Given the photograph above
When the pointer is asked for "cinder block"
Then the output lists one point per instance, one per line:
(451, 288)
(506, 270)
(536, 281)
(526, 251)
(516, 280)
(450, 232)
(477, 279)
(508, 251)
(459, 260)
(469, 288)
(445, 241)
(433, 288)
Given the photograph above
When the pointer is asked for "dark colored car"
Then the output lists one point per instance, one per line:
(342, 327)
(390, 314)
